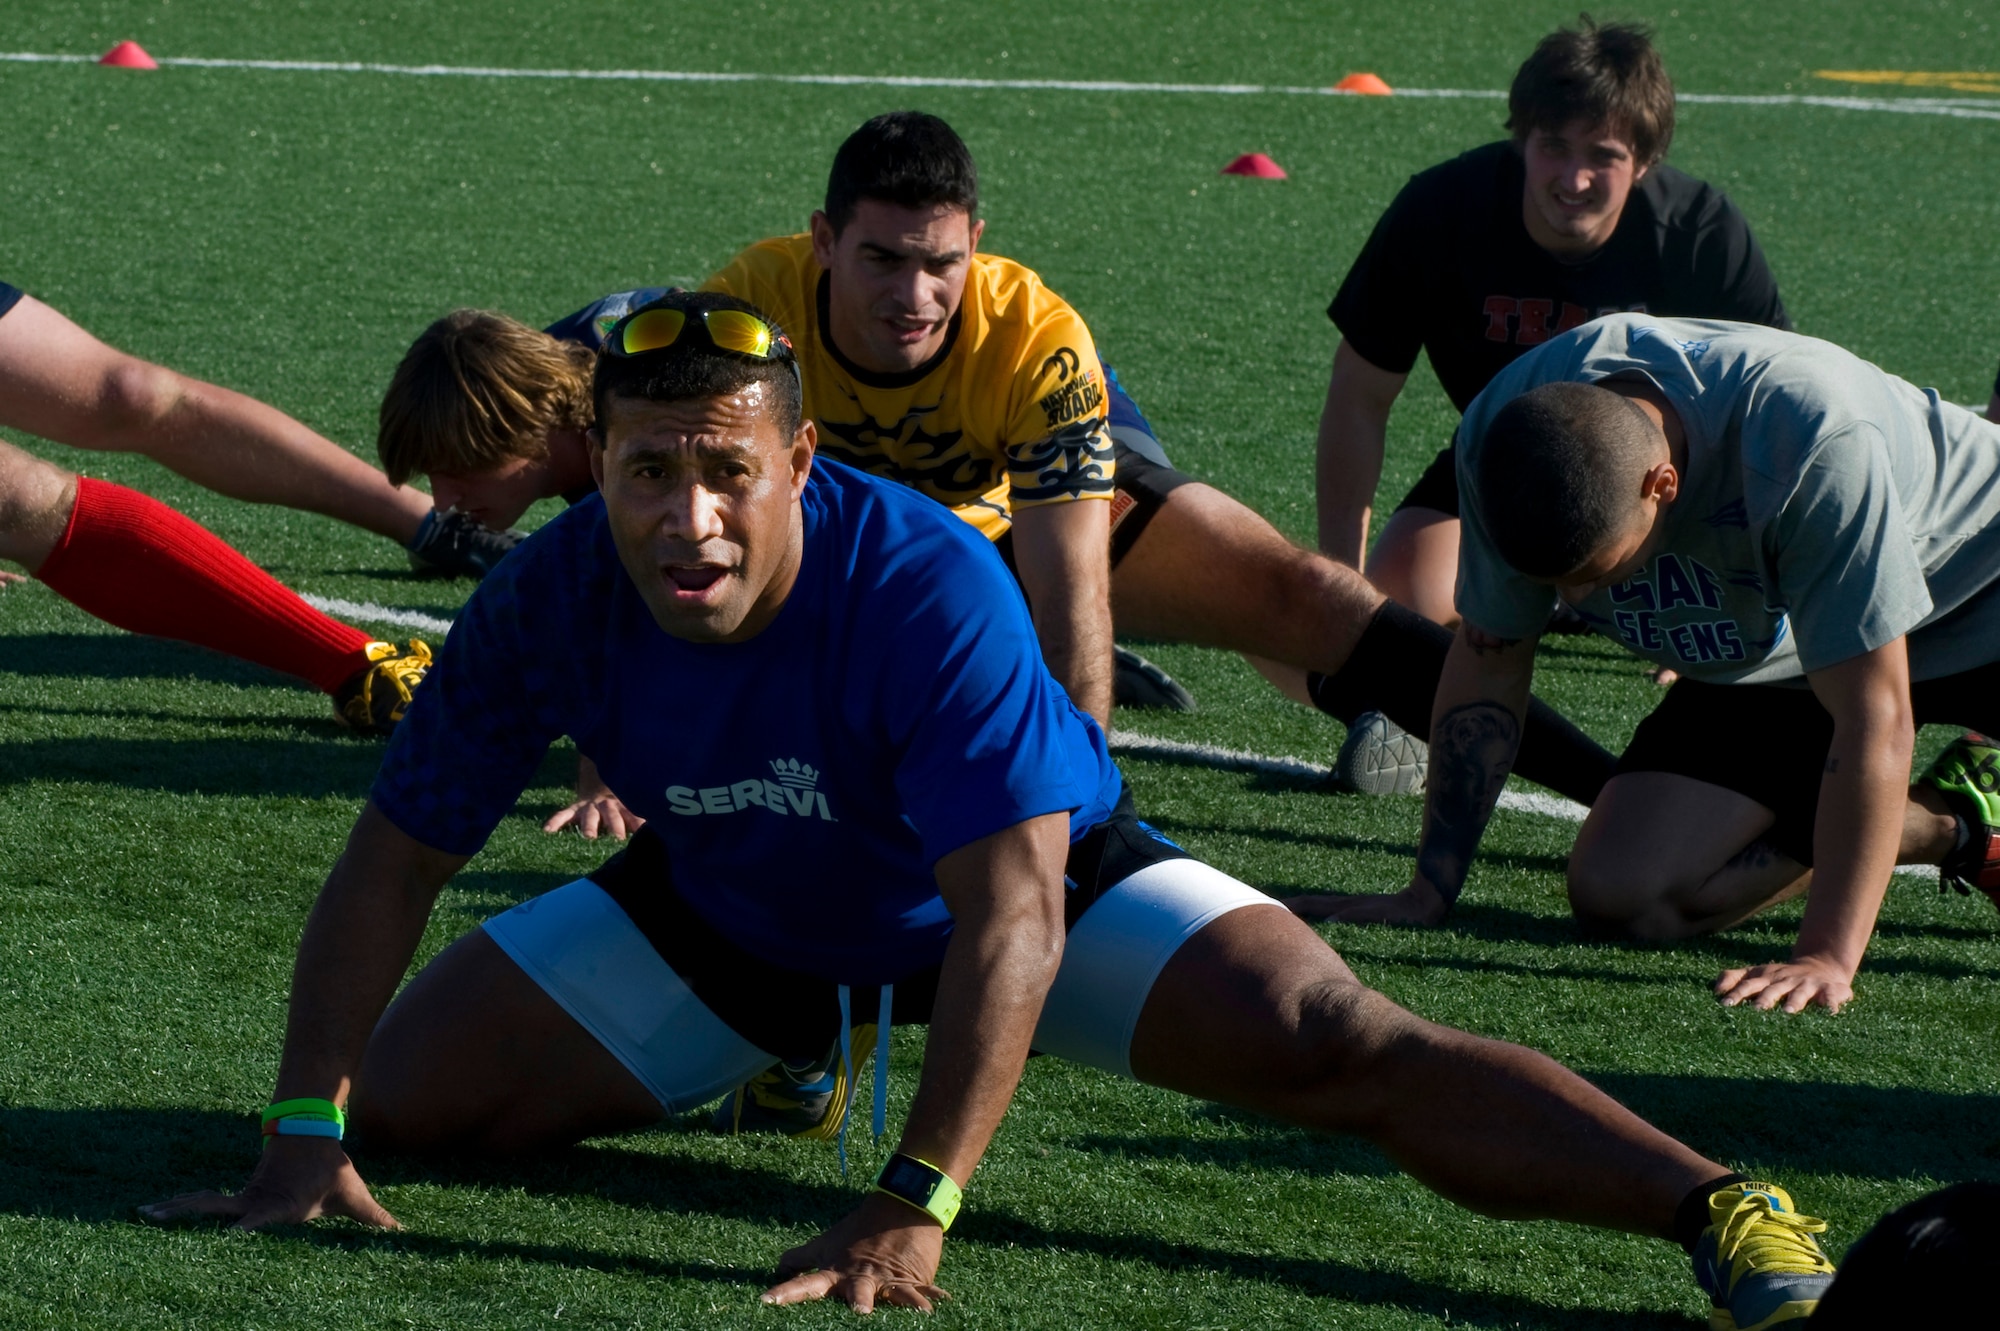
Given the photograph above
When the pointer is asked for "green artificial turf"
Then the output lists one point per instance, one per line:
(166, 816)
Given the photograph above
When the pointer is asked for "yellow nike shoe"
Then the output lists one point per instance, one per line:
(1758, 1259)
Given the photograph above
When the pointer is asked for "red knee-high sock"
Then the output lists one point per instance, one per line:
(134, 562)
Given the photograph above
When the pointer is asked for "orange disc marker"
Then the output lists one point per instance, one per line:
(1369, 85)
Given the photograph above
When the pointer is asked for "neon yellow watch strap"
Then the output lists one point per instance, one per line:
(308, 1108)
(921, 1184)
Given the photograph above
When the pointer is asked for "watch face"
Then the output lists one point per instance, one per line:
(909, 1179)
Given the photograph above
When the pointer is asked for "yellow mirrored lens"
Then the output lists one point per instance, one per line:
(652, 330)
(746, 334)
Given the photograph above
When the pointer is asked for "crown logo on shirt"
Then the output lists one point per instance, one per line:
(793, 773)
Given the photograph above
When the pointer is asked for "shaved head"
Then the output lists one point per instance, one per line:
(1561, 473)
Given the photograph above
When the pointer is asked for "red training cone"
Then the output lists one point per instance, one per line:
(1370, 85)
(129, 55)
(1255, 164)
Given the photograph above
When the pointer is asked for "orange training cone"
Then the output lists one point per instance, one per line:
(1369, 85)
(1255, 164)
(129, 55)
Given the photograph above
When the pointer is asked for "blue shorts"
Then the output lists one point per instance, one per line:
(10, 296)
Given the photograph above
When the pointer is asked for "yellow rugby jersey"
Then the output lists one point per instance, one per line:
(1009, 414)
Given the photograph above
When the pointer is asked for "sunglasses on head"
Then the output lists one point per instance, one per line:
(735, 331)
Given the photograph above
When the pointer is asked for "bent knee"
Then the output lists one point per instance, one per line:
(1621, 896)
(1342, 1030)
(35, 502)
(133, 398)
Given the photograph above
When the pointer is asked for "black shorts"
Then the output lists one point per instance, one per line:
(795, 1015)
(1138, 488)
(1437, 488)
(10, 296)
(1768, 743)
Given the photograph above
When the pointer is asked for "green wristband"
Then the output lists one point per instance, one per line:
(921, 1184)
(325, 1110)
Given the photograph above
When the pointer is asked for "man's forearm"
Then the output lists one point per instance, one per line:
(1353, 435)
(1348, 467)
(1075, 633)
(989, 998)
(1855, 839)
(1063, 553)
(1481, 699)
(1472, 751)
(1005, 892)
(357, 945)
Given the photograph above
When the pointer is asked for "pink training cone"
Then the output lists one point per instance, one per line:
(1369, 85)
(129, 55)
(1255, 164)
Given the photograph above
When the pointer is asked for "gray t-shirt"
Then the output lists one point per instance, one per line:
(1827, 508)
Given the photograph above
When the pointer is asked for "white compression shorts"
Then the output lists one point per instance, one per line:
(587, 955)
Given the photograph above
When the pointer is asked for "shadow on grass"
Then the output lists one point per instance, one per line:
(126, 656)
(1785, 1128)
(1276, 1146)
(1512, 862)
(493, 891)
(90, 1165)
(95, 1165)
(1710, 957)
(323, 726)
(250, 766)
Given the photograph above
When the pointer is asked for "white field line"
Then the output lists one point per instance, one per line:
(370, 613)
(1238, 760)
(1971, 108)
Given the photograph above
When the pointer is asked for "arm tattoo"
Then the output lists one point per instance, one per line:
(1472, 753)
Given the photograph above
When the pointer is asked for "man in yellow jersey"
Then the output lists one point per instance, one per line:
(962, 375)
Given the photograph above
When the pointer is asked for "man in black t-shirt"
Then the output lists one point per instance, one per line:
(1496, 251)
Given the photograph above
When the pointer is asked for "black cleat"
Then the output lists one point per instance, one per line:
(457, 545)
(1137, 682)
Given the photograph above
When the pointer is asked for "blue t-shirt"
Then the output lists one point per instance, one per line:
(804, 782)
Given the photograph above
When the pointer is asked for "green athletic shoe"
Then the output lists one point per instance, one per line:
(1758, 1260)
(806, 1102)
(1967, 774)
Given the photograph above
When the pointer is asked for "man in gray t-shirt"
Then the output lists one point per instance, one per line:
(1815, 545)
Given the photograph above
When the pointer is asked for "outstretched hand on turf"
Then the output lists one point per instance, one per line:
(592, 815)
(885, 1252)
(296, 1180)
(1416, 904)
(1795, 984)
(596, 808)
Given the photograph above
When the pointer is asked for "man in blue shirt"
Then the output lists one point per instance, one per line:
(861, 786)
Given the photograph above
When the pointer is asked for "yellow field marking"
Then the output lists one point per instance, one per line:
(1961, 81)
